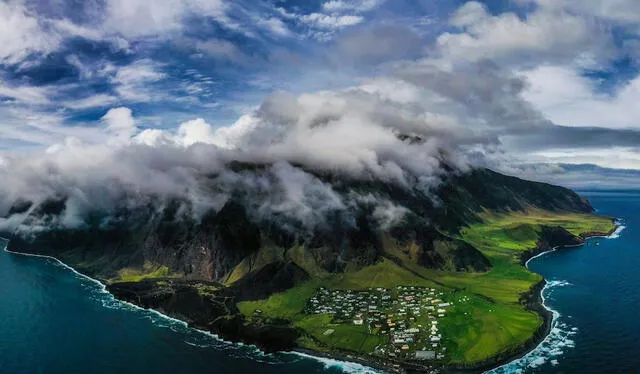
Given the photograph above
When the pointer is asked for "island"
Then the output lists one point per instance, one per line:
(445, 289)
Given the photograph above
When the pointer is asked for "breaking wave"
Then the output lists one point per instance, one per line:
(345, 366)
(619, 229)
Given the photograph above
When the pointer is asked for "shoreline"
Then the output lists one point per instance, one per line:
(535, 297)
(325, 359)
(550, 315)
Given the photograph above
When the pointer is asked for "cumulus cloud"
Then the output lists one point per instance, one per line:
(120, 123)
(547, 33)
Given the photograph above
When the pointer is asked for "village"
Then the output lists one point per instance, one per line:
(407, 316)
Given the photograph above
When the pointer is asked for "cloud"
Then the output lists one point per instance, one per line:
(501, 88)
(354, 5)
(587, 177)
(21, 34)
(131, 81)
(222, 49)
(24, 94)
(378, 43)
(140, 18)
(323, 25)
(545, 34)
(94, 101)
(274, 25)
(331, 22)
(569, 98)
(120, 122)
(621, 11)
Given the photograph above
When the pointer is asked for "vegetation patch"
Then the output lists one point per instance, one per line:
(148, 271)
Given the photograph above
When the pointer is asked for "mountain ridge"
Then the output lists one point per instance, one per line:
(212, 248)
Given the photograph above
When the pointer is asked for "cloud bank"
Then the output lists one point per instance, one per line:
(362, 90)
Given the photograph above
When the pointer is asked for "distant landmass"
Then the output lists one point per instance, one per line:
(402, 278)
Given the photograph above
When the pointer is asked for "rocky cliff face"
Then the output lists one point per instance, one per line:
(221, 243)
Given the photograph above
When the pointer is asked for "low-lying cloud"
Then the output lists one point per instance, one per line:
(361, 133)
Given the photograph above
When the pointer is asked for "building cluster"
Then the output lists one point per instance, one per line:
(407, 316)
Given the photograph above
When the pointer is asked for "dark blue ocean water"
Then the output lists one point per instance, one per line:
(53, 320)
(595, 291)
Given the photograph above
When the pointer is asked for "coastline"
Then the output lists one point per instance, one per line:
(326, 359)
(549, 315)
(534, 299)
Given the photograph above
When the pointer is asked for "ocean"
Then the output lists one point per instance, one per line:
(54, 320)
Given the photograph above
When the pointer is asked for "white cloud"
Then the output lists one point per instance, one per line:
(568, 98)
(24, 94)
(351, 5)
(95, 101)
(274, 25)
(36, 129)
(325, 24)
(71, 29)
(21, 34)
(327, 21)
(132, 80)
(142, 18)
(544, 34)
(135, 18)
(196, 131)
(119, 122)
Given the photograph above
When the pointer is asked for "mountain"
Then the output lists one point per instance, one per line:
(226, 245)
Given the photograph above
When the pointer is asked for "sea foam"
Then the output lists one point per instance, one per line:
(345, 366)
(619, 229)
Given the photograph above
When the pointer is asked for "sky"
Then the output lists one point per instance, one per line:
(542, 89)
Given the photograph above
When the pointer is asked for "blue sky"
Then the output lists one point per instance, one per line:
(537, 88)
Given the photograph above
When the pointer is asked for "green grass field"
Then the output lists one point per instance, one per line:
(148, 271)
(487, 317)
